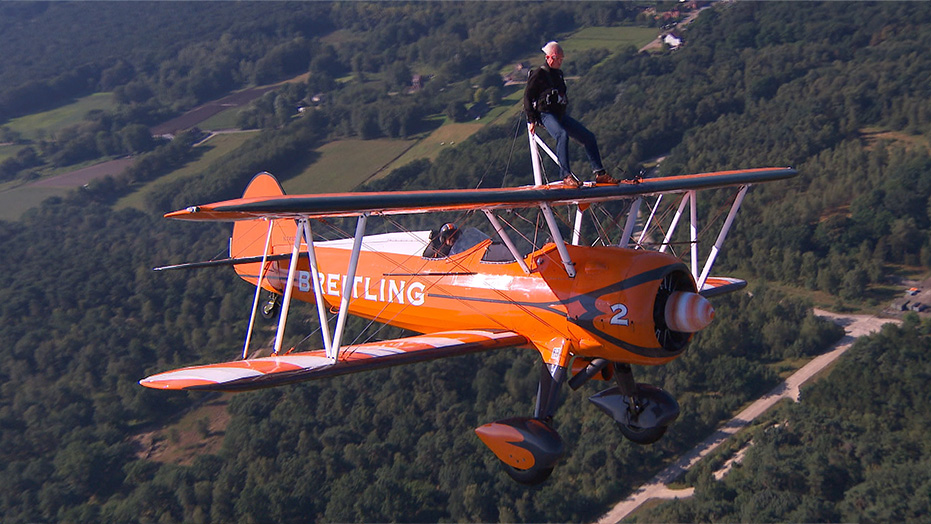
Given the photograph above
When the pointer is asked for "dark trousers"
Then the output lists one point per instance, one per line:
(562, 129)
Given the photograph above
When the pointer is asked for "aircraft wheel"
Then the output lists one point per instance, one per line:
(530, 477)
(642, 435)
(270, 308)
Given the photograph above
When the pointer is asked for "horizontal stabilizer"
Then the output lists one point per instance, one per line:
(715, 286)
(227, 262)
(266, 372)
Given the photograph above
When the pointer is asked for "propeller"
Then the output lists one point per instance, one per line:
(688, 312)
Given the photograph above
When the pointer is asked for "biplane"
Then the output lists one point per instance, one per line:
(591, 311)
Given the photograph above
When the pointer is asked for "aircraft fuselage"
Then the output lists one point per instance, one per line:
(608, 310)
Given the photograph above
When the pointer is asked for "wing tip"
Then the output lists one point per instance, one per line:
(174, 385)
(715, 286)
(183, 213)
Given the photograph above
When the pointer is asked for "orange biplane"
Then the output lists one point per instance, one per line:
(590, 311)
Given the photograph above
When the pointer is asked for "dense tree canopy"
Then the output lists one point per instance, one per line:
(840, 94)
(854, 449)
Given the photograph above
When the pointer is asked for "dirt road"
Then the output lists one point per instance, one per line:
(82, 176)
(854, 325)
(207, 110)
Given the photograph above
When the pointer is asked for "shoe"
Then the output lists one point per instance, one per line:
(635, 179)
(571, 181)
(602, 177)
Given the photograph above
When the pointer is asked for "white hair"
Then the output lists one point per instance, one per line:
(551, 47)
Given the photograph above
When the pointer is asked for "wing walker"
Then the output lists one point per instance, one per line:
(590, 311)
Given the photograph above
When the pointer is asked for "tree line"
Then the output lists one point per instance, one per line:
(397, 444)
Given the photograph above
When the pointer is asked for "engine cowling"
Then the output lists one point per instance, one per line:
(635, 306)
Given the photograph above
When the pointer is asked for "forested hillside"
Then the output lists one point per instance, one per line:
(840, 94)
(853, 450)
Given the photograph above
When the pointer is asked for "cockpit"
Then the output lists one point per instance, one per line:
(450, 240)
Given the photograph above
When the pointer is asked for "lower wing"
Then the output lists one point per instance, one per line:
(241, 375)
(715, 286)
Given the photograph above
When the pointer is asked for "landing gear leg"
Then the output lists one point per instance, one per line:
(551, 380)
(642, 412)
(624, 376)
(271, 306)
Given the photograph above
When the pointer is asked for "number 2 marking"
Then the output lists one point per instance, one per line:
(620, 311)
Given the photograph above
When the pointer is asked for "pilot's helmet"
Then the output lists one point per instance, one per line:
(449, 230)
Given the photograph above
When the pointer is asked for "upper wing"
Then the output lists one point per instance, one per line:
(408, 202)
(266, 372)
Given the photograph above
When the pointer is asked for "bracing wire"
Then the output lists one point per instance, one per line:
(517, 126)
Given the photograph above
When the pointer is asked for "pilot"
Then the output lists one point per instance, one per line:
(443, 241)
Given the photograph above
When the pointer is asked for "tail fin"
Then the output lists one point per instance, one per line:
(249, 236)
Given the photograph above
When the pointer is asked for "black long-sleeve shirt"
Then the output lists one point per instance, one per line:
(541, 81)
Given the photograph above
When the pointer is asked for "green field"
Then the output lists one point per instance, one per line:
(214, 149)
(610, 38)
(345, 164)
(9, 151)
(223, 120)
(18, 195)
(17, 201)
(34, 126)
(444, 137)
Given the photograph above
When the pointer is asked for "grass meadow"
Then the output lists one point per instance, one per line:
(9, 151)
(38, 125)
(17, 201)
(610, 38)
(213, 150)
(345, 164)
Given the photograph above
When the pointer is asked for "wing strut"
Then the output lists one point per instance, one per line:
(535, 159)
(693, 231)
(348, 286)
(558, 240)
(689, 198)
(318, 288)
(303, 232)
(646, 227)
(722, 235)
(506, 239)
(631, 222)
(535, 143)
(289, 287)
(577, 228)
(675, 222)
(258, 289)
